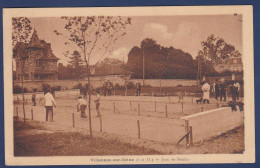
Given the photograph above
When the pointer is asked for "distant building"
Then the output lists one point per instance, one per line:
(40, 62)
(230, 64)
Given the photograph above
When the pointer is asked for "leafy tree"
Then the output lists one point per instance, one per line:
(160, 62)
(91, 34)
(110, 66)
(215, 50)
(21, 29)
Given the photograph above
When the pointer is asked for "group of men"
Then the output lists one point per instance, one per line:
(220, 88)
(49, 103)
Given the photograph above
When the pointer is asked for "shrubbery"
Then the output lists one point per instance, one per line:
(18, 89)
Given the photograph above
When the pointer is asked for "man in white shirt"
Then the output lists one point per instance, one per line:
(81, 106)
(49, 102)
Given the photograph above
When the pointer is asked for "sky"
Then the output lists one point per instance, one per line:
(181, 32)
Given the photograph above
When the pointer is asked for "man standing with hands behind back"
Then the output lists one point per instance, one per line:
(49, 103)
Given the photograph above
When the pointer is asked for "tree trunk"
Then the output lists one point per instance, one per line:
(23, 89)
(89, 103)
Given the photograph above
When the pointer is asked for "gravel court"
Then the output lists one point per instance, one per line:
(153, 125)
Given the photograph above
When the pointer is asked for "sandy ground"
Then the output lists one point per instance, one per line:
(158, 116)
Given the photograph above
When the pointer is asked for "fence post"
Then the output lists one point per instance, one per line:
(191, 136)
(32, 113)
(138, 128)
(186, 130)
(18, 100)
(139, 112)
(114, 107)
(202, 109)
(182, 107)
(131, 105)
(155, 106)
(166, 111)
(73, 121)
(100, 122)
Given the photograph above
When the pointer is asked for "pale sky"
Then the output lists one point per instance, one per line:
(181, 32)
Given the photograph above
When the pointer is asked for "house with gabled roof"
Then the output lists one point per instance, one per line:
(39, 61)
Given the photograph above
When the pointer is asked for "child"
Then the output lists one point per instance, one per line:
(180, 96)
(97, 101)
(81, 106)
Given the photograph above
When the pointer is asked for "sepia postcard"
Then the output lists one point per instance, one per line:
(129, 85)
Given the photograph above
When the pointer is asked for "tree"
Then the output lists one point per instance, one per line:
(110, 66)
(75, 65)
(91, 34)
(160, 62)
(21, 29)
(215, 50)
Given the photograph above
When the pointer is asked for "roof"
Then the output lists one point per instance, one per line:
(36, 43)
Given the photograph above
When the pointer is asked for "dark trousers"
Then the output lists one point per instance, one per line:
(82, 111)
(216, 95)
(223, 95)
(34, 101)
(49, 113)
(138, 92)
(97, 108)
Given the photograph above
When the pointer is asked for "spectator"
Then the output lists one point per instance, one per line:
(138, 89)
(206, 92)
(216, 89)
(81, 106)
(34, 98)
(237, 86)
(105, 88)
(97, 102)
(109, 88)
(233, 91)
(49, 103)
(223, 88)
(180, 96)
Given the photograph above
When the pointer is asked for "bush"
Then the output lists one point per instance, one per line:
(45, 87)
(56, 88)
(18, 89)
(118, 87)
(179, 85)
(78, 86)
(130, 85)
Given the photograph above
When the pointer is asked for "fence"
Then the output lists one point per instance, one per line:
(213, 122)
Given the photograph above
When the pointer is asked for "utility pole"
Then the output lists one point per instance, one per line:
(198, 70)
(143, 67)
